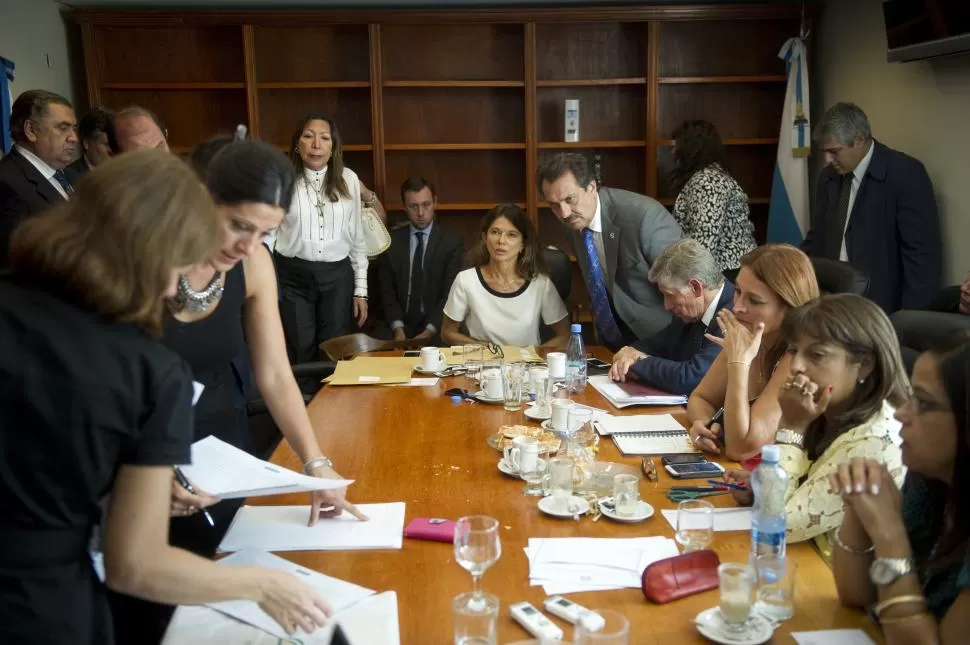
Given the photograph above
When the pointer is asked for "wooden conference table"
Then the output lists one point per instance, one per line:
(413, 444)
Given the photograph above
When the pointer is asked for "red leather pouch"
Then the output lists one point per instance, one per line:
(680, 576)
(431, 528)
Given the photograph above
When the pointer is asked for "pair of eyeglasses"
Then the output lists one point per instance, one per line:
(649, 469)
(496, 350)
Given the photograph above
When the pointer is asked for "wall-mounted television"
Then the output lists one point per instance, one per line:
(917, 29)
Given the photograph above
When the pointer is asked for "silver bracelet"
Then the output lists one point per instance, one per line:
(317, 463)
(848, 549)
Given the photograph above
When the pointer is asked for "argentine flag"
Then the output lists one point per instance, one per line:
(788, 214)
(6, 104)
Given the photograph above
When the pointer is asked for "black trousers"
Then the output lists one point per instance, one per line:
(316, 304)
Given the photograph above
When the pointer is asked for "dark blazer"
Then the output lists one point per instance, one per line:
(636, 229)
(442, 260)
(24, 191)
(680, 356)
(894, 229)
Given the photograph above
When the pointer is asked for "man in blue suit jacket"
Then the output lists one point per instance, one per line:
(693, 288)
(875, 209)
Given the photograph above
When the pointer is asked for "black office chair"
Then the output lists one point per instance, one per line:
(561, 273)
(839, 277)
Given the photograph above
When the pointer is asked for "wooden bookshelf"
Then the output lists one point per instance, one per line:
(472, 99)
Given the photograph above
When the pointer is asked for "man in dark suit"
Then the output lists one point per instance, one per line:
(32, 175)
(417, 271)
(93, 130)
(694, 290)
(875, 208)
(616, 236)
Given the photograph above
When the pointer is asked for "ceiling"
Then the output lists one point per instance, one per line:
(350, 4)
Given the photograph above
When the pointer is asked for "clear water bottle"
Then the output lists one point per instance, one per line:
(576, 360)
(769, 482)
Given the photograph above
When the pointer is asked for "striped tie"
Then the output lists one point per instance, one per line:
(602, 313)
(64, 182)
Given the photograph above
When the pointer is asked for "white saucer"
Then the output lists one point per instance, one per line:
(531, 413)
(756, 631)
(507, 468)
(421, 370)
(643, 512)
(549, 506)
(480, 395)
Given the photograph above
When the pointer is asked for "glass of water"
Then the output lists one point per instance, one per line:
(737, 585)
(513, 380)
(602, 627)
(695, 524)
(477, 546)
(558, 481)
(472, 358)
(476, 619)
(776, 586)
(626, 494)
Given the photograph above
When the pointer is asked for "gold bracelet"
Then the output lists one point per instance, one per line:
(901, 619)
(848, 549)
(905, 599)
(739, 363)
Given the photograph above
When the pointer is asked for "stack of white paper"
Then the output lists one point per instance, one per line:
(284, 528)
(725, 519)
(340, 594)
(571, 565)
(620, 399)
(833, 637)
(225, 471)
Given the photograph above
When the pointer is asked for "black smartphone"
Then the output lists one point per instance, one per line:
(596, 367)
(412, 352)
(699, 470)
(669, 460)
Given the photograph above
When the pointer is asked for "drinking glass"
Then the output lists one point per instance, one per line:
(560, 478)
(626, 494)
(738, 583)
(695, 524)
(776, 586)
(477, 546)
(533, 478)
(513, 376)
(475, 619)
(542, 385)
(472, 358)
(614, 629)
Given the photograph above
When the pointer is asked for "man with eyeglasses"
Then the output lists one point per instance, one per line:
(417, 271)
(32, 175)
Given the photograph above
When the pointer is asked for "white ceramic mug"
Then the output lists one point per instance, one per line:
(523, 454)
(560, 414)
(432, 359)
(557, 365)
(492, 383)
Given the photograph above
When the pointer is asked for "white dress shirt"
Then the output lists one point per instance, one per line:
(857, 176)
(332, 237)
(43, 167)
(712, 308)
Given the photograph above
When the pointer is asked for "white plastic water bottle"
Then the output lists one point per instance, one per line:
(769, 482)
(576, 360)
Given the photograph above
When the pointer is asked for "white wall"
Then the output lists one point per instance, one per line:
(30, 30)
(920, 108)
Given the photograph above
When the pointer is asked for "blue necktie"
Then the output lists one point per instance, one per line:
(602, 313)
(61, 177)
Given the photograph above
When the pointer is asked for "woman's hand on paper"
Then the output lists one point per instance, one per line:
(185, 503)
(330, 503)
(291, 603)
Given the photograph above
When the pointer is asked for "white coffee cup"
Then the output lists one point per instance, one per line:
(492, 383)
(560, 413)
(523, 454)
(432, 359)
(557, 365)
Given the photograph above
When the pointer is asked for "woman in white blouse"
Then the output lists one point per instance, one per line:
(506, 293)
(320, 253)
(845, 380)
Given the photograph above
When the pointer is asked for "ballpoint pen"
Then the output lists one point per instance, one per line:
(183, 480)
(727, 484)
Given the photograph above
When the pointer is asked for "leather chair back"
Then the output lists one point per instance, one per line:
(839, 277)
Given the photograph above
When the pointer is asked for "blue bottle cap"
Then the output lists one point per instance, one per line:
(455, 398)
(771, 454)
(576, 328)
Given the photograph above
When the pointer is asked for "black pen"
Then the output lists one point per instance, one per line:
(183, 480)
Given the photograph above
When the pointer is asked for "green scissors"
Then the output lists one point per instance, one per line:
(683, 494)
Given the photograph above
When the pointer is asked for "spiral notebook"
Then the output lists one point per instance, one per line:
(647, 434)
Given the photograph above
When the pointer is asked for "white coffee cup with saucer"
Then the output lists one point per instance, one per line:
(432, 360)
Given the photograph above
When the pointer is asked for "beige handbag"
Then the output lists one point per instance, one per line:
(376, 238)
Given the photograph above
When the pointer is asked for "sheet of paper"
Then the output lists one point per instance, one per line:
(456, 356)
(284, 528)
(609, 424)
(725, 519)
(225, 471)
(339, 593)
(833, 637)
(419, 382)
(373, 620)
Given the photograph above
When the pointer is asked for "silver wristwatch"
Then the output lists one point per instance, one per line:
(790, 437)
(885, 571)
(320, 462)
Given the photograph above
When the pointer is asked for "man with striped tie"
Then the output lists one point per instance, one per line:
(616, 236)
(32, 175)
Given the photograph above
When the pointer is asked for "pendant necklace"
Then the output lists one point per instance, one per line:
(188, 299)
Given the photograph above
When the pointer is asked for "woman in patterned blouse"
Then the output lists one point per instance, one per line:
(711, 207)
(906, 554)
(845, 381)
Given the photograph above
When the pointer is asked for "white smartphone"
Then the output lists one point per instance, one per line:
(697, 470)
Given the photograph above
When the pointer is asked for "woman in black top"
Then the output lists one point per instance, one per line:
(90, 404)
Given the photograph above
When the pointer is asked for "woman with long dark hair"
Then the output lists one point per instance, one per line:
(906, 554)
(711, 206)
(506, 293)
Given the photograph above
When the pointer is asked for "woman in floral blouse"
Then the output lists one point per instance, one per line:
(711, 207)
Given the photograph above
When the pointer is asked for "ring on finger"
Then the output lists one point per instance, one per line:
(805, 391)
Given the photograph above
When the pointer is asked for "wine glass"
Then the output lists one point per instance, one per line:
(477, 547)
